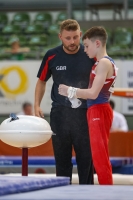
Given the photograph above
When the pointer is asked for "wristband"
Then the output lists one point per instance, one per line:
(71, 92)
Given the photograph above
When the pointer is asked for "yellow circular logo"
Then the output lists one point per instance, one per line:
(5, 86)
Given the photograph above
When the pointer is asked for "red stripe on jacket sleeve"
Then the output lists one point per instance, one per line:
(45, 68)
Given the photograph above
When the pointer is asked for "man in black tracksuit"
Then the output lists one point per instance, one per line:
(69, 65)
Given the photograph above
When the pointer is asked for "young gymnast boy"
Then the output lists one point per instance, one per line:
(99, 114)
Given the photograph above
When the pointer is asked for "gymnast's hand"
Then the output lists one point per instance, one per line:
(62, 90)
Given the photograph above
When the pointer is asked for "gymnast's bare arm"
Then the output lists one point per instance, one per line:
(103, 70)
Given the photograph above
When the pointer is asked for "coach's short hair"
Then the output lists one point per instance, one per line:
(69, 25)
(96, 32)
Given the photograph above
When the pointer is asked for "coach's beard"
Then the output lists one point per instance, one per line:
(68, 48)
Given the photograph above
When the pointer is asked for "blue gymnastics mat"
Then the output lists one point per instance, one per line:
(76, 192)
(10, 185)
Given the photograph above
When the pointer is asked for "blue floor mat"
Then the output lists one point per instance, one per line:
(10, 185)
(77, 192)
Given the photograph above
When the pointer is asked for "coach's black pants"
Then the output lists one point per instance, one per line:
(71, 129)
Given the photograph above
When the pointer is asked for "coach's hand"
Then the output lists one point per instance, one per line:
(38, 111)
(62, 90)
